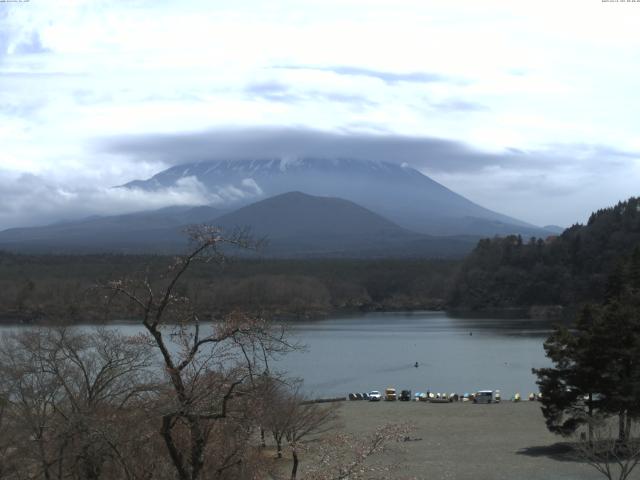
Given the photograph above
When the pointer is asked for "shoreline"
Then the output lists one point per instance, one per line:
(537, 312)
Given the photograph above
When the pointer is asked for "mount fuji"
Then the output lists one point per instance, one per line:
(305, 207)
(397, 192)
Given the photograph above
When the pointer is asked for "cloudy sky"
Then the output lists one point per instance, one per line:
(528, 108)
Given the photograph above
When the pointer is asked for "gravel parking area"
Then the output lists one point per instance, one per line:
(466, 441)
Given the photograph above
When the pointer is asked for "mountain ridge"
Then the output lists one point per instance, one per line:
(398, 192)
(296, 224)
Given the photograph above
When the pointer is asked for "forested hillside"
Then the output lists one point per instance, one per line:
(70, 287)
(578, 266)
(581, 265)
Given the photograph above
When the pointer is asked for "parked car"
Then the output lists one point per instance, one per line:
(595, 398)
(390, 394)
(375, 396)
(483, 396)
(358, 396)
(365, 396)
(405, 395)
(352, 396)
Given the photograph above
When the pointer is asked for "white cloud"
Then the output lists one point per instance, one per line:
(253, 187)
(560, 194)
(513, 75)
(29, 199)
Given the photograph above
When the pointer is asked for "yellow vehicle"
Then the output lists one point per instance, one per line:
(390, 394)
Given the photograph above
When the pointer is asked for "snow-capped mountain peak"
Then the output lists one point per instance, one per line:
(399, 192)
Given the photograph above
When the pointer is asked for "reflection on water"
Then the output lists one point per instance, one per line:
(372, 351)
(376, 350)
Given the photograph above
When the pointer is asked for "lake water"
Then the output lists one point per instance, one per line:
(359, 353)
(372, 351)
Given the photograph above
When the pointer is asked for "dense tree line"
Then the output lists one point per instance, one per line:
(594, 382)
(570, 269)
(63, 287)
(501, 273)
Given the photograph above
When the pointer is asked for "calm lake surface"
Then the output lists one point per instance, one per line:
(375, 350)
(359, 353)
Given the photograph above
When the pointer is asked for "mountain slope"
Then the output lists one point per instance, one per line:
(150, 231)
(296, 214)
(398, 192)
(295, 225)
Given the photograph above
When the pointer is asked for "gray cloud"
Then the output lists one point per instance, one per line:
(12, 37)
(564, 182)
(5, 37)
(551, 175)
(4, 42)
(389, 77)
(356, 100)
(33, 44)
(271, 90)
(20, 109)
(279, 92)
(385, 76)
(433, 154)
(453, 106)
(555, 171)
(268, 87)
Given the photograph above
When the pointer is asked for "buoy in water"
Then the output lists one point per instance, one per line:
(416, 365)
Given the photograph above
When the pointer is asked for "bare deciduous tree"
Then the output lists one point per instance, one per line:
(5, 438)
(604, 451)
(293, 418)
(307, 419)
(209, 368)
(184, 399)
(66, 394)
